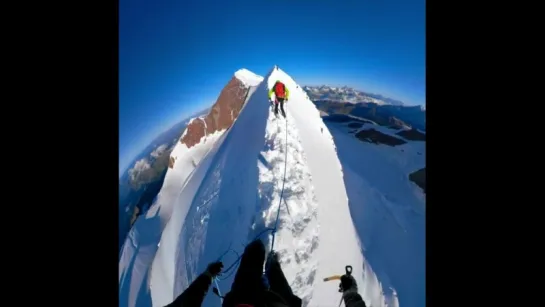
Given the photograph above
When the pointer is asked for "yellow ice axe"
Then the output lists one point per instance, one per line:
(334, 277)
(348, 270)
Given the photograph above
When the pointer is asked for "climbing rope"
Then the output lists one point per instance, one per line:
(281, 192)
(273, 230)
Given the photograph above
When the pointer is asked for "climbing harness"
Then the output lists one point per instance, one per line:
(273, 230)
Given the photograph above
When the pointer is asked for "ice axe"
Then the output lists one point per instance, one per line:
(348, 271)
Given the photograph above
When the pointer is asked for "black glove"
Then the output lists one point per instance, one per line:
(347, 283)
(214, 269)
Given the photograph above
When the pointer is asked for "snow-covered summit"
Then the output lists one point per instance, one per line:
(247, 77)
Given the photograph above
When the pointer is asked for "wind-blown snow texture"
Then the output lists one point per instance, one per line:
(234, 193)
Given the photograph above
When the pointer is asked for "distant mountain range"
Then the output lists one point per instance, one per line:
(347, 94)
(377, 108)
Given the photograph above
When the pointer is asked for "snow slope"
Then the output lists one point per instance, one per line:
(339, 244)
(141, 244)
(236, 195)
(345, 202)
(388, 209)
(143, 239)
(222, 201)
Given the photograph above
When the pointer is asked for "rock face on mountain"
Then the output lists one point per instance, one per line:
(377, 137)
(413, 135)
(396, 123)
(419, 177)
(222, 114)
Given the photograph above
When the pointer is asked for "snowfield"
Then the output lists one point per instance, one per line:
(388, 210)
(338, 205)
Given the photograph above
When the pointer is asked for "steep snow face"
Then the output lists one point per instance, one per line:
(387, 208)
(185, 161)
(141, 244)
(338, 241)
(143, 239)
(236, 195)
(222, 202)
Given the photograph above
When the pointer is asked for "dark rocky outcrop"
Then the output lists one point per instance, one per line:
(377, 137)
(355, 125)
(222, 114)
(396, 123)
(412, 135)
(419, 178)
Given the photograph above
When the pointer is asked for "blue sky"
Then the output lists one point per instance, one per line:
(176, 56)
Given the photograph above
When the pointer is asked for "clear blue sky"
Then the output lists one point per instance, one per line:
(176, 56)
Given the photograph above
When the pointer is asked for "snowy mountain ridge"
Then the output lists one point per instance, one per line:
(190, 152)
(347, 94)
(231, 179)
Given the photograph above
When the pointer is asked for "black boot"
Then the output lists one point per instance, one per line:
(277, 281)
(249, 274)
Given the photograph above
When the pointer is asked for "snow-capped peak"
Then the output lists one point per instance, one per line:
(247, 77)
(347, 94)
(278, 74)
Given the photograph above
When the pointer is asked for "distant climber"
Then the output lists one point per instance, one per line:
(281, 95)
(249, 288)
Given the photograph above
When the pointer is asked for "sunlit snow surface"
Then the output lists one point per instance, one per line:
(234, 193)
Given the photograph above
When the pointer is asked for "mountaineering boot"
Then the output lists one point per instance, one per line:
(278, 282)
(248, 286)
(251, 268)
